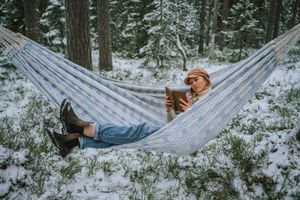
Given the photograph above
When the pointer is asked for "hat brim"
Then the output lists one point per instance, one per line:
(186, 80)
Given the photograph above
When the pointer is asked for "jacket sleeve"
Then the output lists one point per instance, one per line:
(171, 115)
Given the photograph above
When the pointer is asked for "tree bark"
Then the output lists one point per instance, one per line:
(202, 26)
(182, 52)
(211, 5)
(159, 57)
(277, 18)
(214, 30)
(105, 57)
(224, 18)
(43, 6)
(271, 21)
(31, 19)
(78, 33)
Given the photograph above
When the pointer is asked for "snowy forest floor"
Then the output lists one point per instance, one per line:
(255, 157)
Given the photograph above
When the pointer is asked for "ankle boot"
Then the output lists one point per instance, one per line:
(70, 121)
(64, 143)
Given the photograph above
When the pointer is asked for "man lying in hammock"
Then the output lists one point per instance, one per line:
(94, 135)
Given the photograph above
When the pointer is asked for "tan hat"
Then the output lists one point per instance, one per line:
(195, 72)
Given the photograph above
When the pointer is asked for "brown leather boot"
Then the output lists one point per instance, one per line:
(64, 143)
(70, 121)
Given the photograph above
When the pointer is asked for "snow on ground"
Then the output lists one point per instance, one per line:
(132, 70)
(264, 124)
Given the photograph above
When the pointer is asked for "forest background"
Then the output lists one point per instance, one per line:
(255, 157)
(162, 32)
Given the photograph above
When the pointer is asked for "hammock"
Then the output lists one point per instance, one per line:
(96, 98)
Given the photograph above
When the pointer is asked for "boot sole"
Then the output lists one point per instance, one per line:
(62, 105)
(298, 136)
(62, 108)
(53, 140)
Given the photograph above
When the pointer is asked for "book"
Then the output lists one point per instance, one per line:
(175, 96)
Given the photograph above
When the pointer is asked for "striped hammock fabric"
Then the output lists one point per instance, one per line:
(96, 98)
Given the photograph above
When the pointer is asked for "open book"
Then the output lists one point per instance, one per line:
(175, 96)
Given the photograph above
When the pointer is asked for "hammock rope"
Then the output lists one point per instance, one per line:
(96, 98)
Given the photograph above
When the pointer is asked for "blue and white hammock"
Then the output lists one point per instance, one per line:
(96, 98)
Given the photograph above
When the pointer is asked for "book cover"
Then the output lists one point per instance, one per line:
(175, 96)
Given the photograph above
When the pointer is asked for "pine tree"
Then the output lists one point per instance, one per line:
(202, 26)
(12, 15)
(260, 16)
(290, 11)
(128, 28)
(94, 24)
(244, 33)
(186, 25)
(214, 30)
(160, 21)
(130, 25)
(116, 9)
(53, 26)
(271, 21)
(133, 30)
(225, 10)
(295, 9)
(208, 21)
(277, 18)
(169, 31)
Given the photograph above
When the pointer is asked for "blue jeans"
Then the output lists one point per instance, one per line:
(110, 134)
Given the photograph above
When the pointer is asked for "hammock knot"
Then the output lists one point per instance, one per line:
(18, 44)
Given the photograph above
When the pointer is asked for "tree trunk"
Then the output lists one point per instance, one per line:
(202, 26)
(31, 19)
(105, 57)
(182, 52)
(224, 18)
(161, 64)
(277, 18)
(43, 6)
(214, 30)
(271, 21)
(78, 33)
(208, 22)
